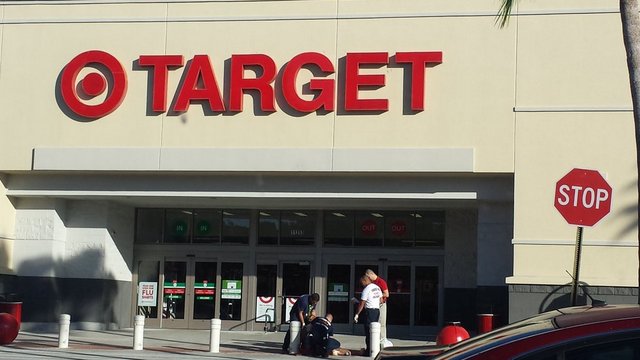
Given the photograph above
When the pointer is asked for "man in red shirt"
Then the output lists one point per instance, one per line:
(383, 301)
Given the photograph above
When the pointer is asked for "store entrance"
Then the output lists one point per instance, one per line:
(415, 294)
(278, 287)
(188, 293)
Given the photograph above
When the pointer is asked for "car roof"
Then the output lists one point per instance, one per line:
(542, 323)
(588, 314)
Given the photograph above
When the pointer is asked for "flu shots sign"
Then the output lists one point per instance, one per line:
(147, 293)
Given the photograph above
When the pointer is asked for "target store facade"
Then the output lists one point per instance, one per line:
(195, 159)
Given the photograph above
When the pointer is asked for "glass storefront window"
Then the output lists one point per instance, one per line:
(204, 290)
(360, 270)
(286, 227)
(295, 279)
(149, 226)
(430, 228)
(175, 286)
(338, 279)
(297, 227)
(235, 226)
(266, 282)
(398, 229)
(207, 226)
(399, 303)
(426, 296)
(177, 227)
(231, 291)
(388, 228)
(338, 228)
(369, 228)
(268, 227)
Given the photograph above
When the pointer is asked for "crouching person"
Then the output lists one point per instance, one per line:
(319, 340)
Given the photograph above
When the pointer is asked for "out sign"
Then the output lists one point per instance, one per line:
(583, 197)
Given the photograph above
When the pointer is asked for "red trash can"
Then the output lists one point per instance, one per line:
(485, 323)
(12, 307)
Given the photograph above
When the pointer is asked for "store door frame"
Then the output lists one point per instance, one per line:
(382, 271)
(188, 322)
(280, 312)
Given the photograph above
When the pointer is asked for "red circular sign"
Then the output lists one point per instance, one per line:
(398, 228)
(583, 197)
(93, 84)
(368, 227)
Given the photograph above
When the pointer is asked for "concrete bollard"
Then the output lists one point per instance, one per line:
(214, 341)
(63, 335)
(138, 332)
(374, 339)
(294, 344)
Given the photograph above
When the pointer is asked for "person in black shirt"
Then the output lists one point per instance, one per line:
(301, 311)
(319, 341)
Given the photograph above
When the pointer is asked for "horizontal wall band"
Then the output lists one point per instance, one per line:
(254, 160)
(128, 18)
(539, 282)
(123, 2)
(172, 19)
(572, 242)
(468, 195)
(563, 109)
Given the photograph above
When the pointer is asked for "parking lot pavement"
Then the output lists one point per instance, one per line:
(163, 344)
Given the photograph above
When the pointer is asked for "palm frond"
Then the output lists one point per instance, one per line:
(505, 12)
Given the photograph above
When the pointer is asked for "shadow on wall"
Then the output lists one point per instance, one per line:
(630, 211)
(51, 293)
(4, 256)
(560, 297)
(7, 278)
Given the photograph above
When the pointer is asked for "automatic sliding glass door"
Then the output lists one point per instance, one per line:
(188, 293)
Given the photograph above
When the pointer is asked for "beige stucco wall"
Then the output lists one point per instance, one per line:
(572, 111)
(478, 59)
(560, 66)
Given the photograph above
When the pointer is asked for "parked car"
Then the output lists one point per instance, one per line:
(608, 332)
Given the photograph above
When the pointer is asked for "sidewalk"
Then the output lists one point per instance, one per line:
(164, 344)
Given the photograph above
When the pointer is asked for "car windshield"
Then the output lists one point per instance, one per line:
(517, 330)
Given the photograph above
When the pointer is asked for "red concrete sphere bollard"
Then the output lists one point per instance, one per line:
(9, 328)
(451, 334)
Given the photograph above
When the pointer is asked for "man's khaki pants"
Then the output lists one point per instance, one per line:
(383, 321)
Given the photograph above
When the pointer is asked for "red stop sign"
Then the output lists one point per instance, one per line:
(583, 197)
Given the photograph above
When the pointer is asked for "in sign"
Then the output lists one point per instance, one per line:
(583, 197)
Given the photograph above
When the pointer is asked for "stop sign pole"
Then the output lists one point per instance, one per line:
(583, 197)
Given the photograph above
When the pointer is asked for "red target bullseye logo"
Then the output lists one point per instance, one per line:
(93, 84)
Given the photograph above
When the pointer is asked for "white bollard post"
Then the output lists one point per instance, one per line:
(63, 335)
(214, 341)
(294, 344)
(138, 332)
(374, 339)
